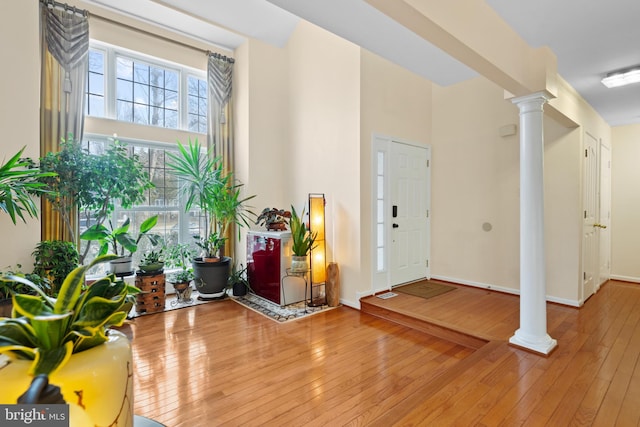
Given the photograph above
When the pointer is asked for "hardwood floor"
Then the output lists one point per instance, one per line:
(221, 364)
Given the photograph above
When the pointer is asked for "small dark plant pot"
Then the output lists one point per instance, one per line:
(239, 289)
(6, 305)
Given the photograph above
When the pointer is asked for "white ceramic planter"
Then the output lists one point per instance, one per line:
(96, 383)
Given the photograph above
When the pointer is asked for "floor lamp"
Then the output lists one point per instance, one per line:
(318, 253)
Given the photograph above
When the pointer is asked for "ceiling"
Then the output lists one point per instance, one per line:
(589, 38)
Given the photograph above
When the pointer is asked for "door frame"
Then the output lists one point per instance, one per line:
(604, 213)
(381, 181)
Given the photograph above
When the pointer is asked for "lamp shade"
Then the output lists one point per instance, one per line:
(317, 227)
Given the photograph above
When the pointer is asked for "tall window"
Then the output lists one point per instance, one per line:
(164, 199)
(134, 88)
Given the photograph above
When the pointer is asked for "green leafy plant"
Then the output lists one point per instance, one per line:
(238, 277)
(152, 261)
(118, 239)
(302, 239)
(9, 287)
(210, 245)
(179, 256)
(49, 330)
(206, 185)
(152, 257)
(19, 181)
(92, 184)
(55, 259)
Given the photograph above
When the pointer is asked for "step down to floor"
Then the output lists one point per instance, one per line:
(426, 326)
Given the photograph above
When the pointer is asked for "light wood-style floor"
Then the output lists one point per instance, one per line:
(221, 364)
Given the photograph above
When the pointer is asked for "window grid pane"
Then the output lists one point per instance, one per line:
(144, 92)
(197, 104)
(153, 90)
(94, 90)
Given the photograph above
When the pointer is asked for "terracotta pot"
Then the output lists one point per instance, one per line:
(96, 383)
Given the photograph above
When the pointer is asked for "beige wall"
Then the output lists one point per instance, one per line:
(394, 103)
(324, 141)
(625, 203)
(475, 180)
(19, 115)
(261, 135)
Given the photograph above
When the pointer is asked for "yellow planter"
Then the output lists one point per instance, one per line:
(96, 383)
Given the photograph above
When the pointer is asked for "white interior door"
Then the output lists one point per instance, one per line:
(605, 214)
(409, 212)
(590, 246)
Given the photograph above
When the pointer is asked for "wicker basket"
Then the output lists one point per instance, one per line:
(152, 297)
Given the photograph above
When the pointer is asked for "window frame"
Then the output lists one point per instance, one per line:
(112, 52)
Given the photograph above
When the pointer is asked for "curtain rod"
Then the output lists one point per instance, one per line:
(149, 33)
(72, 9)
(222, 57)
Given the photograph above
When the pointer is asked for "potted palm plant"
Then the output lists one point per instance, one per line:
(207, 186)
(68, 339)
(302, 241)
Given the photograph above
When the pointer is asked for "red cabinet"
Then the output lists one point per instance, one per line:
(268, 257)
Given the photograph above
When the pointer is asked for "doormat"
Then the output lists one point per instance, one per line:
(279, 314)
(425, 289)
(171, 303)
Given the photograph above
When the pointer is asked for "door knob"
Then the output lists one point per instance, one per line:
(395, 226)
(599, 225)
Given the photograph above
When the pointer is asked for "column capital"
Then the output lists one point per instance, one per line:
(532, 99)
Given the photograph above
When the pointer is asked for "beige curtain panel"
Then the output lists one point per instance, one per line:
(64, 35)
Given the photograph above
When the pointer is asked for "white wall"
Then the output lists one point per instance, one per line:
(19, 115)
(625, 203)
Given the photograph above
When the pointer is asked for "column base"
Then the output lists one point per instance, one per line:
(541, 345)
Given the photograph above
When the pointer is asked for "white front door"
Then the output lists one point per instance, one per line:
(409, 212)
(590, 264)
(605, 214)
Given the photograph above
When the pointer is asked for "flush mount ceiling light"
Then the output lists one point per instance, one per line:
(622, 78)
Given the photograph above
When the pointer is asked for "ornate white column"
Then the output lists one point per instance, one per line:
(532, 334)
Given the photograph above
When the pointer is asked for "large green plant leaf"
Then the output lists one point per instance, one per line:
(50, 360)
(17, 332)
(50, 330)
(148, 224)
(31, 306)
(18, 183)
(72, 285)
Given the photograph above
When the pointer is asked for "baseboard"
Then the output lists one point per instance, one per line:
(352, 304)
(563, 301)
(625, 278)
